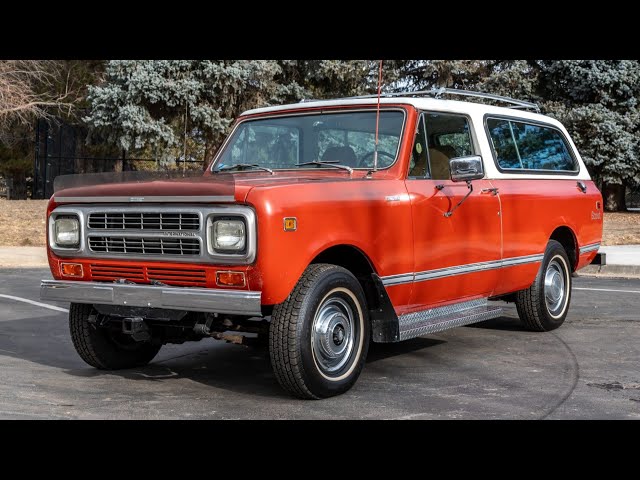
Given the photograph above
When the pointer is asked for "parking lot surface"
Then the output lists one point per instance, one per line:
(588, 369)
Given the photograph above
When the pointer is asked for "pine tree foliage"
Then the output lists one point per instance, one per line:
(149, 107)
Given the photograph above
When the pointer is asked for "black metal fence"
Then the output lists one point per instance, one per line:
(5, 188)
(61, 149)
(632, 198)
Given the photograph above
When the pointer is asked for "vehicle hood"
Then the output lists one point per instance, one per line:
(167, 187)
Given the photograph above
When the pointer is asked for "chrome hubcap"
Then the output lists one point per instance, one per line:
(333, 334)
(554, 286)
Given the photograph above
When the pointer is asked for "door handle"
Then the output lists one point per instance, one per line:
(581, 185)
(487, 190)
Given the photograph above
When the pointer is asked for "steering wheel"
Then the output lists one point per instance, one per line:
(363, 162)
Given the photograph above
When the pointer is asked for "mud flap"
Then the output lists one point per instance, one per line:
(384, 321)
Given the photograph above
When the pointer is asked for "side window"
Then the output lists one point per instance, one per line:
(532, 147)
(419, 164)
(448, 136)
(504, 144)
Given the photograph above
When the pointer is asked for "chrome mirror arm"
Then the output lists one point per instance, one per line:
(470, 187)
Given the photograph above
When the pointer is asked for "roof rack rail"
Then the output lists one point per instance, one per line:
(515, 103)
(438, 92)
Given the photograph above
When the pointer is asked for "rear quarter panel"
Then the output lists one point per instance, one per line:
(532, 209)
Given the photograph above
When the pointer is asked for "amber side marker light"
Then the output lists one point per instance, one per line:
(72, 269)
(290, 224)
(230, 279)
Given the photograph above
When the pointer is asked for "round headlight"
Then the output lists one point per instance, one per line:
(67, 231)
(228, 235)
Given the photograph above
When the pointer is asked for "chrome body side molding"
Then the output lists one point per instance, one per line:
(589, 248)
(399, 279)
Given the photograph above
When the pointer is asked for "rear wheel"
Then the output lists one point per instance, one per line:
(544, 305)
(103, 347)
(319, 336)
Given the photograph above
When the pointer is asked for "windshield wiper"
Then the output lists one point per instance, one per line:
(242, 166)
(328, 163)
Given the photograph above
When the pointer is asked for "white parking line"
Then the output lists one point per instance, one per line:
(38, 304)
(607, 290)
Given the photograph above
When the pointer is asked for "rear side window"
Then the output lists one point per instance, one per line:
(527, 146)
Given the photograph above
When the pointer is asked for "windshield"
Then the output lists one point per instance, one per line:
(285, 142)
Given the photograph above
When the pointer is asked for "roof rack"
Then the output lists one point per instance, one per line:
(438, 92)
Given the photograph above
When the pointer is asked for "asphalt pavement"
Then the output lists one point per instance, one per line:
(587, 369)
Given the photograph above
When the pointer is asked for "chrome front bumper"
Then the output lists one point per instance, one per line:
(233, 302)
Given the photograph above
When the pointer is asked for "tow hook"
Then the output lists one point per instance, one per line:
(137, 328)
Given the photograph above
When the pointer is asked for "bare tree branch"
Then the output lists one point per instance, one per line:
(33, 88)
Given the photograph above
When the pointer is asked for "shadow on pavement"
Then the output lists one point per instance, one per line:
(245, 370)
(503, 323)
(45, 340)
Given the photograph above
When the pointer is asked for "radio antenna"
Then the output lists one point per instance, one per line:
(184, 146)
(375, 150)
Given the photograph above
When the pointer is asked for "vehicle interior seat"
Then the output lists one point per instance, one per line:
(439, 164)
(344, 154)
(284, 152)
(448, 150)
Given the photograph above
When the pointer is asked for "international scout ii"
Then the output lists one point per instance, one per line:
(322, 226)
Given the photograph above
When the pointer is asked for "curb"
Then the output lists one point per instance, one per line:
(620, 271)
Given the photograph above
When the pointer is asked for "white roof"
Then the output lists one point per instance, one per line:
(420, 103)
(475, 111)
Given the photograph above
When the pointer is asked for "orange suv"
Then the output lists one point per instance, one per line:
(322, 226)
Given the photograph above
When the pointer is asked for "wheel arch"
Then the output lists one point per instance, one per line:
(567, 238)
(384, 321)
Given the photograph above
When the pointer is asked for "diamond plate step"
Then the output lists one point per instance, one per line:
(444, 318)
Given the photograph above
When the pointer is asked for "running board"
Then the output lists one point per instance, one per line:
(443, 318)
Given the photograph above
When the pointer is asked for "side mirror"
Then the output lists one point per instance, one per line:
(464, 169)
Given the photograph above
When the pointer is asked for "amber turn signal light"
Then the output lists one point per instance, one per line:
(72, 269)
(290, 224)
(230, 279)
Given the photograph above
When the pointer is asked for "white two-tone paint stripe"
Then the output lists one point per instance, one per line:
(37, 304)
(459, 270)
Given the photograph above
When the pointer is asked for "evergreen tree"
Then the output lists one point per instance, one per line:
(144, 104)
(598, 102)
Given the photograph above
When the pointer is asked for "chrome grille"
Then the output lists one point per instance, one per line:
(145, 245)
(163, 233)
(144, 221)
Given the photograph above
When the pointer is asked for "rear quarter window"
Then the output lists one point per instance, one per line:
(521, 146)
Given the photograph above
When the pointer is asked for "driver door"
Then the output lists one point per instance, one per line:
(456, 258)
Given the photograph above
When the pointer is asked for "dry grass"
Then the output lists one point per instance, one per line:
(621, 228)
(22, 223)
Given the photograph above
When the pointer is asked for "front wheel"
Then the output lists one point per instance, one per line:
(105, 348)
(544, 305)
(319, 336)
